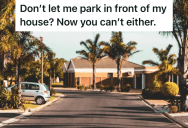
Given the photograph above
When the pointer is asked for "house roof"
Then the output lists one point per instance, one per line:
(66, 64)
(105, 62)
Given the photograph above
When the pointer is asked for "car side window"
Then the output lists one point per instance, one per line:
(24, 86)
(33, 87)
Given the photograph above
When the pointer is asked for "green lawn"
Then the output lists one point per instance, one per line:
(34, 105)
(60, 83)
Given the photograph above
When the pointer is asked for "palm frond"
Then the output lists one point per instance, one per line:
(150, 62)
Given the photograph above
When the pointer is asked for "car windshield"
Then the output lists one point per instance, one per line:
(46, 87)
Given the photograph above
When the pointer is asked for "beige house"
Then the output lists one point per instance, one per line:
(79, 71)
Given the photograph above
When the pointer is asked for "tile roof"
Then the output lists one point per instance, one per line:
(105, 62)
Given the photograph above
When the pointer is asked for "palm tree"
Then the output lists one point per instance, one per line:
(93, 53)
(162, 55)
(166, 68)
(119, 51)
(180, 31)
(23, 50)
(7, 13)
(166, 62)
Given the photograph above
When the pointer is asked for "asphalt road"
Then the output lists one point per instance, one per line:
(95, 109)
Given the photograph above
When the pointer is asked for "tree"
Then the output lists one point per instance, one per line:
(180, 31)
(49, 66)
(166, 62)
(23, 51)
(58, 67)
(119, 51)
(166, 68)
(93, 53)
(7, 13)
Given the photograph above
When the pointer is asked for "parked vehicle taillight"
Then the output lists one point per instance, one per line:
(46, 92)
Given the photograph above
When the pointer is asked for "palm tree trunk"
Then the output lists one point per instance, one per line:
(94, 72)
(50, 82)
(18, 82)
(119, 74)
(169, 76)
(182, 65)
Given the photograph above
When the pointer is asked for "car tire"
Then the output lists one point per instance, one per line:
(39, 100)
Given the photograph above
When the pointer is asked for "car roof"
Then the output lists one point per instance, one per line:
(32, 83)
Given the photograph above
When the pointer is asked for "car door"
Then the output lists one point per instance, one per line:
(33, 91)
(24, 88)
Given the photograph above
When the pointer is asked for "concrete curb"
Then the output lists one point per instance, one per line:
(28, 112)
(165, 114)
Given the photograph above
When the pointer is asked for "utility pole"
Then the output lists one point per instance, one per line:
(41, 39)
(54, 69)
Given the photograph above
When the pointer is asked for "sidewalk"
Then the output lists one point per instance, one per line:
(157, 105)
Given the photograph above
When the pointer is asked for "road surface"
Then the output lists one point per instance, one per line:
(96, 110)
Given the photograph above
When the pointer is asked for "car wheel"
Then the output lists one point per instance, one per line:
(39, 100)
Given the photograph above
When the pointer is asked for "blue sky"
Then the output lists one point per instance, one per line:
(65, 44)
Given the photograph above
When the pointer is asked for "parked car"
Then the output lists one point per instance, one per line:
(34, 91)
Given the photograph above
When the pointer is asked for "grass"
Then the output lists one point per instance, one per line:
(60, 83)
(52, 98)
(58, 93)
(33, 105)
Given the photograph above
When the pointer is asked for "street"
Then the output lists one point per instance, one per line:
(95, 109)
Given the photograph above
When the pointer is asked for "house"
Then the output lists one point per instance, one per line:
(79, 71)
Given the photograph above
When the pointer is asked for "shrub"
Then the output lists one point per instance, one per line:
(146, 93)
(10, 99)
(109, 87)
(82, 87)
(27, 102)
(102, 87)
(15, 101)
(52, 91)
(170, 89)
(86, 87)
(127, 87)
(78, 87)
(156, 86)
(173, 109)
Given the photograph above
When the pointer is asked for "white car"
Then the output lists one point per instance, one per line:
(34, 91)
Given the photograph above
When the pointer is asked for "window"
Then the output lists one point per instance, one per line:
(24, 86)
(110, 74)
(33, 87)
(46, 87)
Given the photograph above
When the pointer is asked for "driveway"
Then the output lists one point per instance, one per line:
(95, 109)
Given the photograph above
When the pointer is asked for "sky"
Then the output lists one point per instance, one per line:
(65, 44)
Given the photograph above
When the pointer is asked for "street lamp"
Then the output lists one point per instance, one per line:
(41, 39)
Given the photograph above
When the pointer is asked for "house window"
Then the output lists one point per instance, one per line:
(110, 74)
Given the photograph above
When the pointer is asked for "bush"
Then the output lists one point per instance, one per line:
(109, 87)
(82, 87)
(27, 102)
(148, 93)
(86, 87)
(10, 99)
(170, 89)
(173, 109)
(102, 87)
(52, 91)
(78, 87)
(156, 86)
(126, 88)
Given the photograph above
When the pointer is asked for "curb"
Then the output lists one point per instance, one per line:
(165, 114)
(28, 112)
